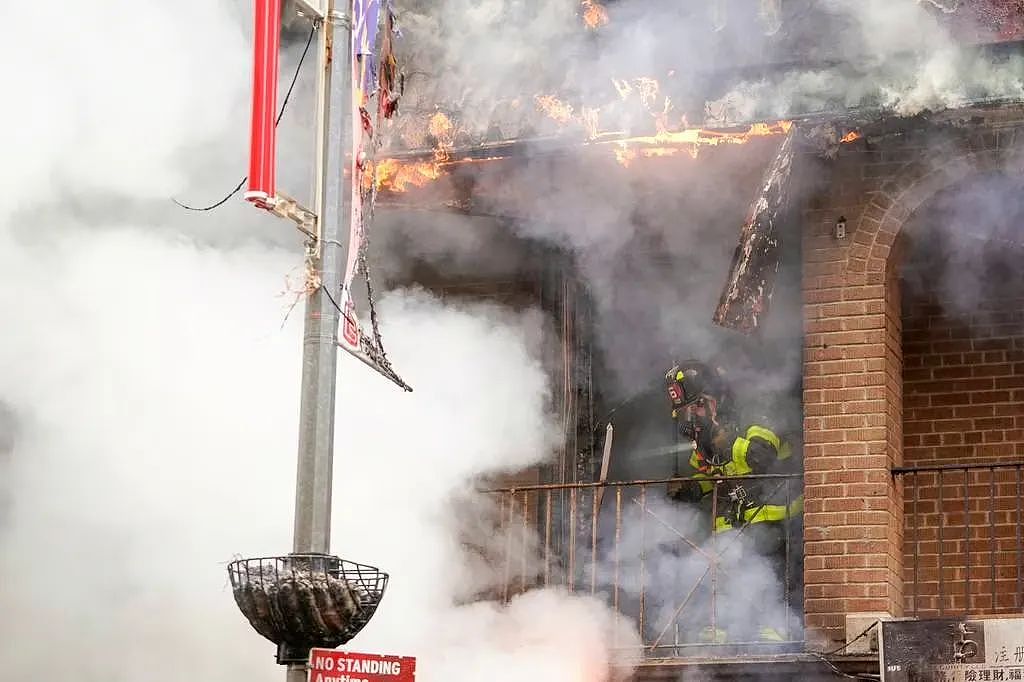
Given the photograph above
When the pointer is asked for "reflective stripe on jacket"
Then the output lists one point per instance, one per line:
(767, 512)
(740, 465)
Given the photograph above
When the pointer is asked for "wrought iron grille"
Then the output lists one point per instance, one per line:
(963, 550)
(657, 562)
(302, 601)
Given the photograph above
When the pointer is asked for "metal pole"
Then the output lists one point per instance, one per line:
(319, 352)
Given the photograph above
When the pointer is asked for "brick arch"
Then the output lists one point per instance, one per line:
(853, 389)
(916, 182)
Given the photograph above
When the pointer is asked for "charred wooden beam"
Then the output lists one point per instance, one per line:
(857, 118)
(748, 290)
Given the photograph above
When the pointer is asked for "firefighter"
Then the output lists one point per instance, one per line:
(766, 511)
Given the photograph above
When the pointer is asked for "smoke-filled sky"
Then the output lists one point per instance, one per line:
(149, 392)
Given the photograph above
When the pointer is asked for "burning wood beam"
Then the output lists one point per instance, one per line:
(847, 119)
(748, 290)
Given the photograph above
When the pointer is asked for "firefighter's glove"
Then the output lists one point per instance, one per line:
(684, 491)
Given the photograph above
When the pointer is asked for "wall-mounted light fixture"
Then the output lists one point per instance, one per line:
(840, 229)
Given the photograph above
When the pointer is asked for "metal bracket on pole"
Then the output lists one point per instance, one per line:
(283, 206)
(310, 8)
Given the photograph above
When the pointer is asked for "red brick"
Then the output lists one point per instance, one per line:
(867, 575)
(974, 411)
(956, 374)
(990, 397)
(980, 431)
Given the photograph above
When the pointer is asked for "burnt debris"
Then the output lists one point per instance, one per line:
(748, 290)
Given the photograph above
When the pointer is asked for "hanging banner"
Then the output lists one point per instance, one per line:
(263, 134)
(363, 36)
(365, 26)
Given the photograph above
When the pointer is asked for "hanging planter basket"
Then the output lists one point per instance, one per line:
(302, 601)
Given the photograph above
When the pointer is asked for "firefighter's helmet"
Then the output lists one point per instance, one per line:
(687, 382)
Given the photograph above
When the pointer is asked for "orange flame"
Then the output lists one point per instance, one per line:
(396, 176)
(594, 14)
(399, 176)
(700, 136)
(442, 130)
(563, 114)
(850, 137)
(589, 118)
(555, 108)
(624, 155)
(692, 139)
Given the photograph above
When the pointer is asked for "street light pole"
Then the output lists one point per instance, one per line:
(328, 254)
(320, 349)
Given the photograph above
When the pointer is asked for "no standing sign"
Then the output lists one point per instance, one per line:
(328, 665)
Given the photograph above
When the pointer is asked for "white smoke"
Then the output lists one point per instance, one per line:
(664, 554)
(156, 394)
(964, 246)
(897, 55)
(901, 55)
(106, 101)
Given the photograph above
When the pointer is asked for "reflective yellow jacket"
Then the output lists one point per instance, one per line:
(757, 451)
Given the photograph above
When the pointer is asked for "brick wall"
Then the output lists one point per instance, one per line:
(964, 382)
(851, 401)
(853, 391)
(963, 404)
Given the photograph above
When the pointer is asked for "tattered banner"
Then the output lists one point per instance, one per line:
(365, 26)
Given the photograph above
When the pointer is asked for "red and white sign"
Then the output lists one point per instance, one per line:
(328, 665)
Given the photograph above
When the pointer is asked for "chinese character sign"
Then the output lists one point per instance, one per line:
(953, 650)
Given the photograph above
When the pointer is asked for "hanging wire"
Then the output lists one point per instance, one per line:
(284, 105)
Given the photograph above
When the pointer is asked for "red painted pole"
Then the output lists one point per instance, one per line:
(263, 141)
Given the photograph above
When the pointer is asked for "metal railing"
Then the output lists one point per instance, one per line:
(658, 563)
(962, 539)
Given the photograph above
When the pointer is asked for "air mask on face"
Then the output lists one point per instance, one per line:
(694, 409)
(697, 422)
